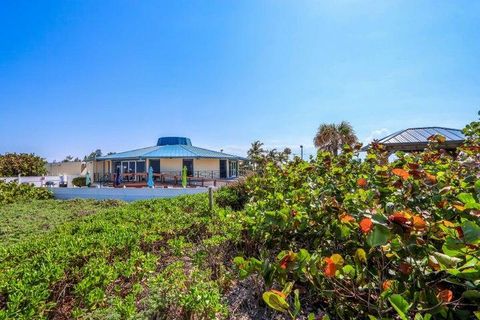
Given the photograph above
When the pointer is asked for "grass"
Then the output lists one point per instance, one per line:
(163, 258)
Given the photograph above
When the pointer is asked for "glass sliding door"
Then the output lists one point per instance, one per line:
(233, 169)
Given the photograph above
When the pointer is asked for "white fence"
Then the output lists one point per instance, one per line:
(42, 181)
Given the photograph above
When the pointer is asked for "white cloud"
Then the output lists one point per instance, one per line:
(375, 134)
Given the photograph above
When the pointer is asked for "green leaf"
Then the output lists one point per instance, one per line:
(379, 236)
(360, 255)
(349, 270)
(296, 303)
(238, 260)
(477, 185)
(471, 274)
(446, 261)
(471, 232)
(466, 198)
(288, 288)
(400, 305)
(471, 294)
(454, 247)
(275, 301)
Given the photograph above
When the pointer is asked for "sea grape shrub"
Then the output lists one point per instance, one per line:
(13, 192)
(25, 164)
(233, 196)
(371, 239)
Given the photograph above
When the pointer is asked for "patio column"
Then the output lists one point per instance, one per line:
(228, 168)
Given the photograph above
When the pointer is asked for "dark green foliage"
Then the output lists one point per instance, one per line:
(79, 181)
(13, 164)
(233, 196)
(13, 192)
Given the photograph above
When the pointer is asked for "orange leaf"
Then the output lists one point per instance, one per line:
(285, 260)
(387, 284)
(330, 269)
(448, 224)
(419, 223)
(401, 173)
(445, 295)
(366, 225)
(346, 218)
(362, 182)
(398, 217)
(459, 207)
(431, 178)
(279, 293)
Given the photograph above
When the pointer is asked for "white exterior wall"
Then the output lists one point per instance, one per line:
(170, 165)
(69, 168)
(206, 165)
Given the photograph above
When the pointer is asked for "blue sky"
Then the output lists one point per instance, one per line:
(80, 75)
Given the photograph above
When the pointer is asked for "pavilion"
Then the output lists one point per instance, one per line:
(168, 157)
(416, 139)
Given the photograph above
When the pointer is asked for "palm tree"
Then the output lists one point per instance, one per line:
(330, 137)
(256, 153)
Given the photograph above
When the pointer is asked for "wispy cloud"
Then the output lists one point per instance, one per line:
(375, 134)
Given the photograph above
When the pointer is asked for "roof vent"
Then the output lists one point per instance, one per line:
(168, 141)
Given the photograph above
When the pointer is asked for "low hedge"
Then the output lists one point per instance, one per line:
(13, 192)
(79, 181)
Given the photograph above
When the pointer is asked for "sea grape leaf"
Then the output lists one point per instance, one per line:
(466, 198)
(379, 236)
(471, 232)
(471, 294)
(275, 301)
(400, 305)
(445, 260)
(468, 274)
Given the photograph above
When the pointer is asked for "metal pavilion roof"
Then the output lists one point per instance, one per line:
(180, 148)
(416, 139)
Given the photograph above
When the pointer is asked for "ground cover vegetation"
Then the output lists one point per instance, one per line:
(157, 259)
(344, 238)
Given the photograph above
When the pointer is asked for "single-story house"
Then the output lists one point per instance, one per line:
(168, 157)
(416, 139)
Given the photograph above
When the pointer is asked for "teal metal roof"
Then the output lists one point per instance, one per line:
(170, 151)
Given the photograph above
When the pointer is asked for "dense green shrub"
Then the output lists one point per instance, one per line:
(79, 181)
(370, 239)
(13, 192)
(13, 164)
(234, 196)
